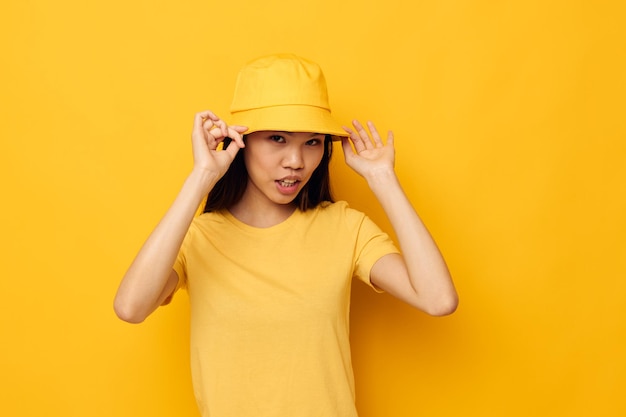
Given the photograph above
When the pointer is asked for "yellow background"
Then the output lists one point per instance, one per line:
(509, 118)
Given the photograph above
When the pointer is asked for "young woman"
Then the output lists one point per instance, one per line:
(268, 265)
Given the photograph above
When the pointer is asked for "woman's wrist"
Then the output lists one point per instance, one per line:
(382, 179)
(202, 181)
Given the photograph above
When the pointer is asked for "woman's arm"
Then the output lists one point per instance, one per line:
(419, 276)
(150, 279)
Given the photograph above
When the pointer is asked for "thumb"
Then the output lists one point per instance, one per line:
(232, 150)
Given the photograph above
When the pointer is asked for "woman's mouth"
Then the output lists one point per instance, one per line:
(287, 183)
(286, 186)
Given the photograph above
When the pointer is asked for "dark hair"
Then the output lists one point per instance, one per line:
(230, 188)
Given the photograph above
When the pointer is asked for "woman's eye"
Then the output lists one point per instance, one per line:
(314, 142)
(277, 138)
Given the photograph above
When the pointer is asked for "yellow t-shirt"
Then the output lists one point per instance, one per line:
(270, 309)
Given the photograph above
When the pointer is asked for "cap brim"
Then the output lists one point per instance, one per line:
(291, 118)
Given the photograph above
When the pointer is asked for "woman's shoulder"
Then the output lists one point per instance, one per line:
(340, 205)
(339, 209)
(208, 220)
(209, 216)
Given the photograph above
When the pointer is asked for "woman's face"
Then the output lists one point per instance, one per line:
(279, 164)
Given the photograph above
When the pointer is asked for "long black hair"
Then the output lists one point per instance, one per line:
(230, 188)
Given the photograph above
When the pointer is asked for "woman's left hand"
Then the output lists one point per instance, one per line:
(370, 157)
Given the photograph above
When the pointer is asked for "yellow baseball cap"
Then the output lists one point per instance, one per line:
(283, 92)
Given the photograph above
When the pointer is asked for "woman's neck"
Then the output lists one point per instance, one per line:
(259, 212)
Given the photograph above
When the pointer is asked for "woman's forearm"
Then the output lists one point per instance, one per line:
(141, 289)
(427, 271)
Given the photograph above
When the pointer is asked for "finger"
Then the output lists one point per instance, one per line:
(240, 129)
(236, 136)
(216, 133)
(348, 152)
(390, 138)
(356, 140)
(365, 138)
(210, 119)
(198, 132)
(199, 119)
(207, 124)
(223, 126)
(206, 119)
(377, 140)
(232, 150)
(207, 114)
(214, 137)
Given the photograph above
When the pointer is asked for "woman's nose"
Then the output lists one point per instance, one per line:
(293, 158)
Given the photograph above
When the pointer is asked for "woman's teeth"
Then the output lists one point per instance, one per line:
(287, 183)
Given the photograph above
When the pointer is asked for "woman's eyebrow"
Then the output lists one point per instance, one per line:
(281, 132)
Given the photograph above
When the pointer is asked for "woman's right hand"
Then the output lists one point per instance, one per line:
(208, 132)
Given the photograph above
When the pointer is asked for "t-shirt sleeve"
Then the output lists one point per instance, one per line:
(372, 244)
(180, 264)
